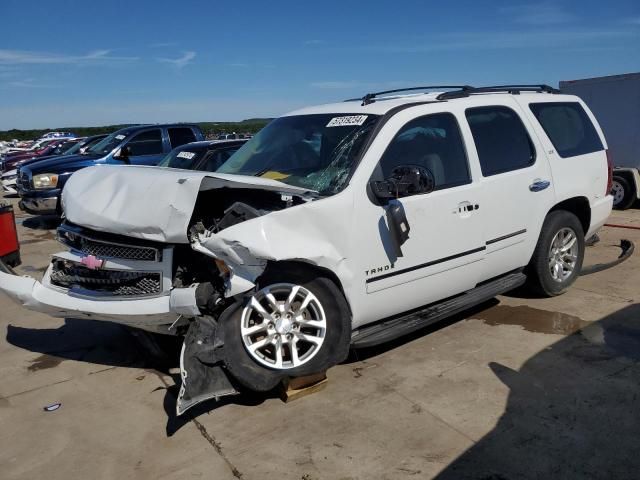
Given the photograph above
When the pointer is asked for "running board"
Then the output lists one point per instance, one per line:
(395, 327)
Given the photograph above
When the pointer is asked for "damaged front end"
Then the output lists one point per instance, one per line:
(167, 269)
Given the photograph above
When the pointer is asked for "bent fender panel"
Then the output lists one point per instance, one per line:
(315, 233)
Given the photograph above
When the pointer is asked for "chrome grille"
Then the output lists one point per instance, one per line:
(114, 282)
(107, 249)
(23, 180)
(110, 250)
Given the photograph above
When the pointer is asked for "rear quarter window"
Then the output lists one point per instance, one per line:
(568, 127)
(181, 136)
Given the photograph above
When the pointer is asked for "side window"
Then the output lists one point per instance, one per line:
(434, 142)
(568, 127)
(501, 139)
(213, 162)
(180, 136)
(146, 143)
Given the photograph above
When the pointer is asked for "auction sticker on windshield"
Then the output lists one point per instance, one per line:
(349, 121)
(187, 155)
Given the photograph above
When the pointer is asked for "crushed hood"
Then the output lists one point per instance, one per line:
(151, 203)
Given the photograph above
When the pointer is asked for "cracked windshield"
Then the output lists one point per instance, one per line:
(317, 152)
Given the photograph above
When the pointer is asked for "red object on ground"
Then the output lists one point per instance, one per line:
(614, 225)
(9, 245)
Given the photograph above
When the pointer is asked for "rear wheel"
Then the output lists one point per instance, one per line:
(623, 195)
(557, 259)
(295, 324)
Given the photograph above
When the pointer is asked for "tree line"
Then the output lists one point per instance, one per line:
(208, 128)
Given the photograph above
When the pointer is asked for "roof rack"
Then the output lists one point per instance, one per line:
(513, 89)
(370, 97)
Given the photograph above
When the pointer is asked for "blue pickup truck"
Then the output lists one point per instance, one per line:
(40, 184)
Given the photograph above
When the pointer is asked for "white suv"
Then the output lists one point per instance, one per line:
(338, 225)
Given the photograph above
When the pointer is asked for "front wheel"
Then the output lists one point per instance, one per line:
(296, 323)
(557, 259)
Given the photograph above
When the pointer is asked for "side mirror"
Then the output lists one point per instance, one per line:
(123, 154)
(405, 180)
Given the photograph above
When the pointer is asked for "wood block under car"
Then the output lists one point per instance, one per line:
(298, 387)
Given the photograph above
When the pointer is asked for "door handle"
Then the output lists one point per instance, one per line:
(466, 207)
(539, 185)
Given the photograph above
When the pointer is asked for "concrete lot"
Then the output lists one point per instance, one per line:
(518, 388)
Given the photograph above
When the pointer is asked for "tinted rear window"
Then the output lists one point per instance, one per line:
(568, 127)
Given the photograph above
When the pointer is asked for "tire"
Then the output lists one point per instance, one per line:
(260, 371)
(623, 194)
(545, 279)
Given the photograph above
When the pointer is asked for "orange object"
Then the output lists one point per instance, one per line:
(9, 246)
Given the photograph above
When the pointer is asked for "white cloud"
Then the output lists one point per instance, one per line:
(28, 83)
(163, 44)
(561, 39)
(25, 57)
(363, 86)
(181, 62)
(337, 85)
(545, 13)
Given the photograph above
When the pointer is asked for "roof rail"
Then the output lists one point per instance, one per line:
(370, 97)
(513, 89)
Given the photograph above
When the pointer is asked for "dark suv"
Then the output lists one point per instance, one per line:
(40, 184)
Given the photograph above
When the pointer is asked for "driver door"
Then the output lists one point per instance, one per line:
(445, 247)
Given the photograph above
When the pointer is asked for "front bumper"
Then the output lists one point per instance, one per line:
(8, 181)
(9, 186)
(153, 314)
(39, 205)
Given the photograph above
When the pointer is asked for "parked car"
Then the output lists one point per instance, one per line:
(31, 150)
(207, 155)
(51, 149)
(32, 147)
(341, 225)
(59, 135)
(39, 185)
(9, 178)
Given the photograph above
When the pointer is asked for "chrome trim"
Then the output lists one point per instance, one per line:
(69, 243)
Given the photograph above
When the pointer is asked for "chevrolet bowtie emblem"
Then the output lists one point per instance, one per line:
(92, 262)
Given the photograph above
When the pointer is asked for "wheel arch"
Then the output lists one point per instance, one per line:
(309, 267)
(580, 207)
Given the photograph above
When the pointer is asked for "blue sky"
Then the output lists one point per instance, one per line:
(69, 63)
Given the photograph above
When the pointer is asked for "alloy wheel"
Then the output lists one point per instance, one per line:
(563, 254)
(283, 326)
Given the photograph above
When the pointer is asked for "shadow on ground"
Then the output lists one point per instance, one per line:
(101, 343)
(572, 410)
(112, 345)
(42, 222)
(362, 354)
